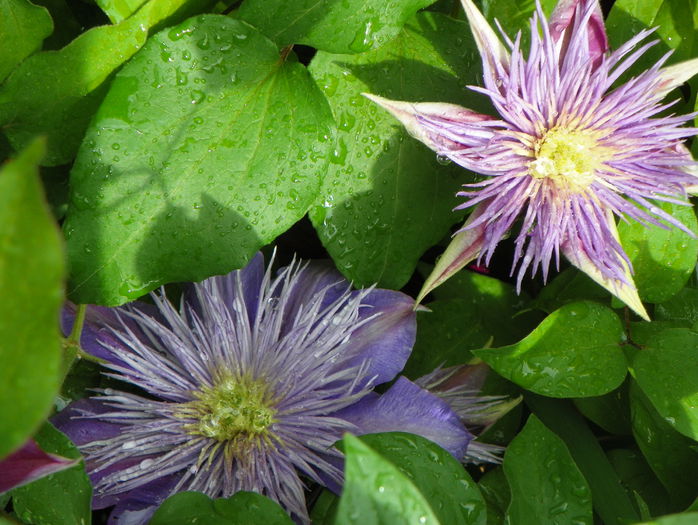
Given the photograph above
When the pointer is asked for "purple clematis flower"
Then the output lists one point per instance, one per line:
(568, 152)
(247, 386)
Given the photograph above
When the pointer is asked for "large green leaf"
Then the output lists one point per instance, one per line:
(667, 371)
(31, 280)
(546, 485)
(402, 478)
(64, 498)
(386, 199)
(689, 518)
(56, 92)
(672, 456)
(23, 26)
(681, 309)
(336, 26)
(207, 146)
(663, 259)
(574, 352)
(637, 476)
(242, 508)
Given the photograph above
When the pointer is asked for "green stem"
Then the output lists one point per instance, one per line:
(71, 344)
(611, 501)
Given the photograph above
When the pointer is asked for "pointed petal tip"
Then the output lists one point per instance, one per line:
(673, 76)
(464, 247)
(487, 41)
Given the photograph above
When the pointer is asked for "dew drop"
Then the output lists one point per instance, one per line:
(443, 160)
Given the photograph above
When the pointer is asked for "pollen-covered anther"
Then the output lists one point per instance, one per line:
(567, 158)
(233, 408)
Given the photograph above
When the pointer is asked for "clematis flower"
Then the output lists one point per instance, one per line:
(460, 387)
(28, 464)
(568, 152)
(247, 386)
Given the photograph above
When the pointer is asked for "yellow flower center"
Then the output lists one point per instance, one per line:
(231, 410)
(567, 158)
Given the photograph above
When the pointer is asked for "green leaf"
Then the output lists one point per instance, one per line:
(681, 309)
(663, 259)
(325, 508)
(448, 488)
(64, 498)
(667, 371)
(118, 10)
(610, 411)
(56, 92)
(402, 478)
(546, 485)
(672, 456)
(574, 352)
(31, 280)
(497, 496)
(471, 311)
(386, 199)
(336, 26)
(639, 479)
(23, 26)
(242, 508)
(207, 146)
(690, 518)
(569, 286)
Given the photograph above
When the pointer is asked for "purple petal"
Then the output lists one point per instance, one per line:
(141, 503)
(75, 421)
(28, 464)
(405, 407)
(385, 342)
(567, 13)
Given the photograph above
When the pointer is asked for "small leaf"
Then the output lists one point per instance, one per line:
(23, 26)
(31, 280)
(574, 352)
(671, 456)
(242, 508)
(56, 92)
(667, 371)
(336, 26)
(386, 198)
(401, 478)
(546, 485)
(663, 259)
(207, 147)
(64, 498)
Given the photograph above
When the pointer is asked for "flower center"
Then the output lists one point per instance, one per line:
(567, 158)
(234, 408)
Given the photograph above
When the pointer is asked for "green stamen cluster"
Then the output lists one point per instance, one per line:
(568, 158)
(233, 408)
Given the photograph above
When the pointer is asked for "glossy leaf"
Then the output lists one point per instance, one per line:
(546, 485)
(386, 199)
(29, 375)
(207, 147)
(451, 493)
(118, 10)
(336, 26)
(401, 478)
(681, 309)
(56, 92)
(672, 456)
(610, 411)
(514, 15)
(242, 508)
(662, 259)
(23, 26)
(574, 352)
(637, 476)
(64, 498)
(667, 371)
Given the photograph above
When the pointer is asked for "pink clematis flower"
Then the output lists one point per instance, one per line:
(568, 152)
